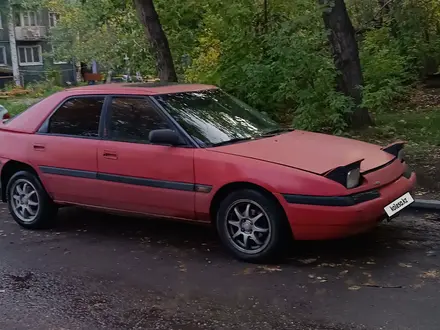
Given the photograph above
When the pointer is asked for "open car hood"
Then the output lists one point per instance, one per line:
(312, 152)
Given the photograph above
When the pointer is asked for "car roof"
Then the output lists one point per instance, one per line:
(153, 88)
(33, 117)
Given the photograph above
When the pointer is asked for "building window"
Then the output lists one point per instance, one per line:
(30, 55)
(27, 18)
(53, 19)
(3, 56)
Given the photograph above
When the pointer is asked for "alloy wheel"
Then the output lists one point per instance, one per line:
(248, 226)
(25, 200)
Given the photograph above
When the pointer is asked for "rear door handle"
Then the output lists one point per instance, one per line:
(39, 147)
(110, 154)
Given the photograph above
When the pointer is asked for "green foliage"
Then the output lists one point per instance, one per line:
(286, 70)
(42, 88)
(386, 71)
(282, 66)
(14, 107)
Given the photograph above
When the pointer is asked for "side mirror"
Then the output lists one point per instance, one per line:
(164, 136)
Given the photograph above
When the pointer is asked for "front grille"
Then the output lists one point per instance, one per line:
(365, 196)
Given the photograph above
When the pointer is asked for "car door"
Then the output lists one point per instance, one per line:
(139, 176)
(64, 150)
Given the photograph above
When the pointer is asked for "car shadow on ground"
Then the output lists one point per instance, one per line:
(384, 242)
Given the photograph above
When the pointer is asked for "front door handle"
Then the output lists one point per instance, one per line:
(110, 154)
(39, 147)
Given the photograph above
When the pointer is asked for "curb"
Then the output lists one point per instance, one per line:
(426, 204)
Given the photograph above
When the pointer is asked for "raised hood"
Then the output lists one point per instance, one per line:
(313, 152)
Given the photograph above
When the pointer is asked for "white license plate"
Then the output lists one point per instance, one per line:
(399, 204)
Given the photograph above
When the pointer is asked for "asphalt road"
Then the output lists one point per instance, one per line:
(98, 271)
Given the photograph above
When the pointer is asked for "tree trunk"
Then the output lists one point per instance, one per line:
(158, 40)
(345, 50)
(13, 46)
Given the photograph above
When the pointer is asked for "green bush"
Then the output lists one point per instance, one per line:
(385, 70)
(287, 72)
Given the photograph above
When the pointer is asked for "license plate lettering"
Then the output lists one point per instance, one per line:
(399, 204)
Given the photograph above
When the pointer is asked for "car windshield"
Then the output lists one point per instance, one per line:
(213, 117)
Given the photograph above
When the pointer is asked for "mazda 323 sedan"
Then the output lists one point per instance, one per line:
(195, 153)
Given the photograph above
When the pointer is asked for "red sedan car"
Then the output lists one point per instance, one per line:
(194, 152)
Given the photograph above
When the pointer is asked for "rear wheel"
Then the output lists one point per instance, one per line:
(28, 202)
(252, 226)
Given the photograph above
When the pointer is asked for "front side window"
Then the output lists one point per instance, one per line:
(214, 117)
(30, 55)
(132, 119)
(77, 117)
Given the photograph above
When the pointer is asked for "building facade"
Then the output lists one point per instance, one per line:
(34, 50)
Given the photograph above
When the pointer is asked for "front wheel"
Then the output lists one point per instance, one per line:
(252, 226)
(28, 202)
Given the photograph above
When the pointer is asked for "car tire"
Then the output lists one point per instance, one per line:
(29, 203)
(249, 213)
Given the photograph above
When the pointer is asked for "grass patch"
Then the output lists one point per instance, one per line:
(419, 127)
(18, 105)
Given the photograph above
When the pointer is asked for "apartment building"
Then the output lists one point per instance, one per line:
(34, 50)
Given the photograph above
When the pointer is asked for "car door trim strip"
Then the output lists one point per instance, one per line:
(174, 185)
(68, 172)
(146, 182)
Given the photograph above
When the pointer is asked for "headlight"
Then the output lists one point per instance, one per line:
(349, 176)
(353, 178)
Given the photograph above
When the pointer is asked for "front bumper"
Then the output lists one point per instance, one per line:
(321, 222)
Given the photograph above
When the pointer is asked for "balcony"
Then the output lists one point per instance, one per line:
(30, 33)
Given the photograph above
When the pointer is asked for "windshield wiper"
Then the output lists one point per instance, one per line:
(277, 131)
(231, 141)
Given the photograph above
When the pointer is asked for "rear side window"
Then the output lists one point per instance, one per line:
(132, 119)
(77, 117)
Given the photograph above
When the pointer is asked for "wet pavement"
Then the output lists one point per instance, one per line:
(99, 271)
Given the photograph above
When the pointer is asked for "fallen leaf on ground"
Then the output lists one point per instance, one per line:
(401, 264)
(182, 267)
(248, 271)
(307, 261)
(430, 274)
(270, 269)
(418, 285)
